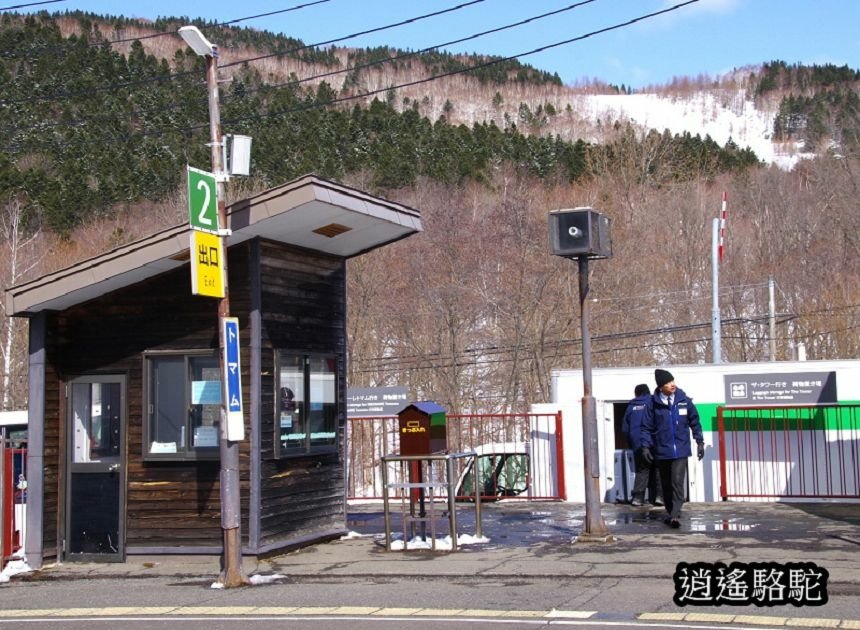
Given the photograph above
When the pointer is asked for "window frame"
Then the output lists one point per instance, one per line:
(190, 452)
(304, 406)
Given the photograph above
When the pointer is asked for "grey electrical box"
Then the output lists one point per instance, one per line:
(237, 161)
(575, 232)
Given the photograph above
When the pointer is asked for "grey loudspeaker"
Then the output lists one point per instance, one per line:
(575, 232)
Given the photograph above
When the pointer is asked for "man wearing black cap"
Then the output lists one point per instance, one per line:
(669, 418)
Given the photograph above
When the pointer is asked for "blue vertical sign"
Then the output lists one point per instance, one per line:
(233, 380)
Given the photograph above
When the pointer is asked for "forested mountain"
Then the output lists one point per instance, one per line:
(100, 115)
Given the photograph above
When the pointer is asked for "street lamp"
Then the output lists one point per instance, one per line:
(231, 505)
(583, 233)
(198, 42)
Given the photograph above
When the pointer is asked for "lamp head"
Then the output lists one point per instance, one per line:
(197, 42)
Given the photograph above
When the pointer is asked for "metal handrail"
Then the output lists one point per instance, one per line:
(449, 459)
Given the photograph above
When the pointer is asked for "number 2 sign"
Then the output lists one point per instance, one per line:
(202, 201)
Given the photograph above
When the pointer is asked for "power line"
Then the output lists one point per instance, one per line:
(660, 294)
(115, 86)
(423, 362)
(358, 34)
(495, 349)
(450, 362)
(30, 4)
(486, 64)
(163, 33)
(365, 95)
(344, 70)
(407, 55)
(403, 361)
(492, 350)
(476, 363)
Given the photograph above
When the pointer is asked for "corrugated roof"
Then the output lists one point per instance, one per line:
(309, 212)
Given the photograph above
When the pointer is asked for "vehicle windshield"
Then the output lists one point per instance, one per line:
(499, 475)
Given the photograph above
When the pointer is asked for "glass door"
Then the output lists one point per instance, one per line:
(94, 497)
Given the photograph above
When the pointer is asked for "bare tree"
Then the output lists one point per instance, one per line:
(20, 259)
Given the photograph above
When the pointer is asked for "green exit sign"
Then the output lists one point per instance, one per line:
(202, 200)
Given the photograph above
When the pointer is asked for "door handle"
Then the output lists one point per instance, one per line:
(113, 467)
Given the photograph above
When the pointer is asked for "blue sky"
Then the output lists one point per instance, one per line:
(708, 37)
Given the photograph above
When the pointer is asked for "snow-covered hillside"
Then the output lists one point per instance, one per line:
(723, 115)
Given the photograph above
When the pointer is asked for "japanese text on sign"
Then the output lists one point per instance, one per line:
(207, 269)
(801, 388)
(207, 255)
(413, 426)
(375, 401)
(233, 379)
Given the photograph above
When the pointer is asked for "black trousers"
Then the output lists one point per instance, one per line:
(647, 478)
(673, 476)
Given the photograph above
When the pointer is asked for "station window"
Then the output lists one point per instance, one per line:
(305, 404)
(183, 403)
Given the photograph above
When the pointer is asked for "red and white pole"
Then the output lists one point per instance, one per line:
(722, 229)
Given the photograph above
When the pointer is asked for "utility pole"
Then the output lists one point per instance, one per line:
(232, 573)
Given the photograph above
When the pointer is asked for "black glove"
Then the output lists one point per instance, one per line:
(700, 452)
(647, 456)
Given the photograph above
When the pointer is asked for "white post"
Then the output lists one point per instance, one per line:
(715, 286)
(771, 305)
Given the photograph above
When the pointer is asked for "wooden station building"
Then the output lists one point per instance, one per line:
(124, 383)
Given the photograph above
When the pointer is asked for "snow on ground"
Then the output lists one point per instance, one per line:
(15, 566)
(442, 544)
(266, 579)
(351, 536)
(722, 115)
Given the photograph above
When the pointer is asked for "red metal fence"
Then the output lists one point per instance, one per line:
(12, 500)
(498, 438)
(789, 452)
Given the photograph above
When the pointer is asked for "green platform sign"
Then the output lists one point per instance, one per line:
(202, 201)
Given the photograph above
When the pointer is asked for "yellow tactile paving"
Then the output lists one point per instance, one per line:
(756, 620)
(709, 617)
(275, 610)
(154, 610)
(396, 612)
(238, 611)
(440, 612)
(662, 616)
(191, 610)
(570, 614)
(478, 612)
(314, 610)
(814, 622)
(76, 612)
(116, 611)
(26, 612)
(522, 613)
(356, 610)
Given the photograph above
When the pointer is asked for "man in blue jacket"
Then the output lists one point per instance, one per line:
(646, 472)
(669, 419)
